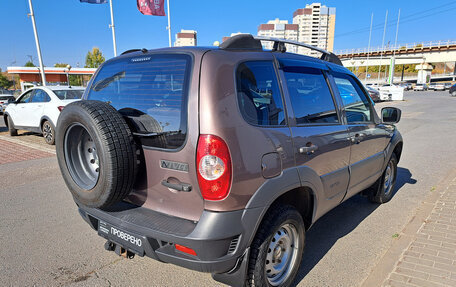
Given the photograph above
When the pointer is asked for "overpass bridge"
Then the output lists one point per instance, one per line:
(412, 53)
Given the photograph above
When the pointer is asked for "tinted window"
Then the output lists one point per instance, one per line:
(259, 96)
(40, 96)
(310, 96)
(151, 92)
(357, 108)
(69, 94)
(26, 97)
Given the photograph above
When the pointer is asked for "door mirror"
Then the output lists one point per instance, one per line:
(391, 115)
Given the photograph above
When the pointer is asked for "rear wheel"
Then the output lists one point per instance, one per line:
(276, 251)
(11, 129)
(48, 132)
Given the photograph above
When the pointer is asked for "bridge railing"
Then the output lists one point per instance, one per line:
(416, 45)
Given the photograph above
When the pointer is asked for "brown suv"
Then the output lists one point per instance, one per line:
(219, 159)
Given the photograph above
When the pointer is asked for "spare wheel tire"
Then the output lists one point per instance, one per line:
(96, 153)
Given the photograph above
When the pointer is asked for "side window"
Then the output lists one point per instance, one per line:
(357, 108)
(26, 97)
(310, 96)
(258, 93)
(40, 96)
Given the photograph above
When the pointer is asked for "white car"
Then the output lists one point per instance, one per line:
(38, 109)
(439, 87)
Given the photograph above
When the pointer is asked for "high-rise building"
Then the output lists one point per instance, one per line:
(279, 29)
(316, 26)
(185, 38)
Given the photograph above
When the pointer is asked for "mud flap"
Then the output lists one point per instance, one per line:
(237, 276)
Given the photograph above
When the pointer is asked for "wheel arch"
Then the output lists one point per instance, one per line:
(46, 118)
(288, 188)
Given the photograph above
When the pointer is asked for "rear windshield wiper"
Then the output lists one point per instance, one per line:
(100, 85)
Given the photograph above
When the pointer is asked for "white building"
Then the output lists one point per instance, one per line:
(316, 26)
(185, 38)
(279, 29)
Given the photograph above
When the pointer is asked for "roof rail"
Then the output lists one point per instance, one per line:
(279, 46)
(249, 42)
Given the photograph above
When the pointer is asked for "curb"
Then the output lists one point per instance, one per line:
(388, 262)
(27, 144)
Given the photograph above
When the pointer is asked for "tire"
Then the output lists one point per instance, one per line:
(383, 189)
(279, 233)
(48, 132)
(453, 94)
(11, 129)
(96, 153)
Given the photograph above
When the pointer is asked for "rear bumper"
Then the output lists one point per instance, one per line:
(218, 238)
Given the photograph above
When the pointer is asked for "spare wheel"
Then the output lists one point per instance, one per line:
(96, 153)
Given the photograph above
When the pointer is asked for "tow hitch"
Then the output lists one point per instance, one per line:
(119, 250)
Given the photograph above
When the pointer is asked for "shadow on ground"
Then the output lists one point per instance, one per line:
(339, 222)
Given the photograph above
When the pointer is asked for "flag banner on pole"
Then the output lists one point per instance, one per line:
(94, 1)
(152, 7)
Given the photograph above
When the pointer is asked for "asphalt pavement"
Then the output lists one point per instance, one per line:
(45, 242)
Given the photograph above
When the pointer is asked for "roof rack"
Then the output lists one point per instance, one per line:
(249, 42)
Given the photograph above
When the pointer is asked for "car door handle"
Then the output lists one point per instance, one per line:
(177, 186)
(309, 149)
(358, 138)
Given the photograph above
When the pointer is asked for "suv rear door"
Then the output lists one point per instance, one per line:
(367, 135)
(319, 136)
(157, 93)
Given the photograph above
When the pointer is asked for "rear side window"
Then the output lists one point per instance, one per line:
(310, 96)
(69, 94)
(259, 97)
(357, 108)
(40, 96)
(151, 92)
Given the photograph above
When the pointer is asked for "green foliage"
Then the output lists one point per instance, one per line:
(75, 80)
(60, 65)
(29, 64)
(94, 58)
(5, 83)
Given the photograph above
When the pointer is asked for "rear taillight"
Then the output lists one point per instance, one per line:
(60, 108)
(214, 167)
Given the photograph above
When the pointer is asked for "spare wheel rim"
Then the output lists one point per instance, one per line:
(81, 156)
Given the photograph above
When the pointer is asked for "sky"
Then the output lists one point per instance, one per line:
(68, 29)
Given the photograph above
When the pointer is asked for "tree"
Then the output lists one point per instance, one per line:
(5, 83)
(60, 65)
(94, 58)
(29, 64)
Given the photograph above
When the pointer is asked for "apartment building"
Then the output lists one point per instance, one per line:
(316, 26)
(185, 38)
(279, 29)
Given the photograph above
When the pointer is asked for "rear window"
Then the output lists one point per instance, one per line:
(151, 92)
(69, 94)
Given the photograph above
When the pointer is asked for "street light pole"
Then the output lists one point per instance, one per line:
(383, 47)
(32, 15)
(113, 30)
(368, 48)
(169, 25)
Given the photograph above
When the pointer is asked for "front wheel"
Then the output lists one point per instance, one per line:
(11, 129)
(48, 132)
(276, 251)
(453, 94)
(383, 189)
